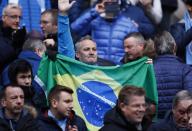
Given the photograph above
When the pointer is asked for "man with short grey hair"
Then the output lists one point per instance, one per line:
(86, 52)
(11, 16)
(11, 35)
(171, 73)
(176, 119)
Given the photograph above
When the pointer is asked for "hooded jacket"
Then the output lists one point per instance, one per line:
(26, 122)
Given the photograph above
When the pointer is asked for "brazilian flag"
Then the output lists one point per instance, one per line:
(96, 87)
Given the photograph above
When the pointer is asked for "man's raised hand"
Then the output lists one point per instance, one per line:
(64, 6)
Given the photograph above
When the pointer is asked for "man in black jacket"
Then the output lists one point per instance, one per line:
(176, 119)
(128, 114)
(11, 35)
(13, 116)
(60, 115)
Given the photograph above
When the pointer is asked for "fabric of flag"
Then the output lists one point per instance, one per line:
(96, 87)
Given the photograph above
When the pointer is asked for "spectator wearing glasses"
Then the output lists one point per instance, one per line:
(11, 35)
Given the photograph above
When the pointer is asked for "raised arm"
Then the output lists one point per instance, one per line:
(65, 42)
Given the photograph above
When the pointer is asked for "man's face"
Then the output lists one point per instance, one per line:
(13, 101)
(64, 105)
(24, 79)
(135, 110)
(180, 113)
(47, 25)
(133, 49)
(87, 52)
(12, 18)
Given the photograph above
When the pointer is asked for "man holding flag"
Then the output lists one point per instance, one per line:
(95, 87)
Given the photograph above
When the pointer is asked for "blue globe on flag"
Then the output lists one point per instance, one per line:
(95, 98)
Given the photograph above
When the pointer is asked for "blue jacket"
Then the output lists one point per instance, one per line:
(182, 38)
(167, 124)
(29, 56)
(146, 26)
(108, 35)
(65, 42)
(78, 8)
(32, 58)
(172, 76)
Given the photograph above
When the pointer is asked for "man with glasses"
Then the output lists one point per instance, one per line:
(11, 16)
(11, 36)
(49, 28)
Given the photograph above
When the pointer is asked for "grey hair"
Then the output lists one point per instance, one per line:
(10, 6)
(34, 43)
(78, 43)
(164, 43)
(181, 95)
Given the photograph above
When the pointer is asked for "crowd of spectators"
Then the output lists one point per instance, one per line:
(101, 33)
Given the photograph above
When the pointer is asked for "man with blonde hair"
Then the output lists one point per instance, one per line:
(11, 36)
(11, 15)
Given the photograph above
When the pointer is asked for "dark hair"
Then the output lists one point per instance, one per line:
(123, 3)
(138, 36)
(54, 93)
(16, 67)
(127, 92)
(189, 109)
(188, 2)
(53, 13)
(3, 94)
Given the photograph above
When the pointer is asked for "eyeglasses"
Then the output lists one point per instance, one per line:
(14, 17)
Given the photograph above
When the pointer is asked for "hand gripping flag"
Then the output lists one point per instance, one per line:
(96, 87)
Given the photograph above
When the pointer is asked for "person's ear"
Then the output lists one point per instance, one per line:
(77, 54)
(3, 17)
(122, 106)
(173, 110)
(142, 46)
(54, 103)
(3, 103)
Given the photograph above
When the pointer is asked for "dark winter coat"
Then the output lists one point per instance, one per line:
(182, 38)
(167, 124)
(115, 121)
(49, 124)
(25, 123)
(108, 35)
(172, 76)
